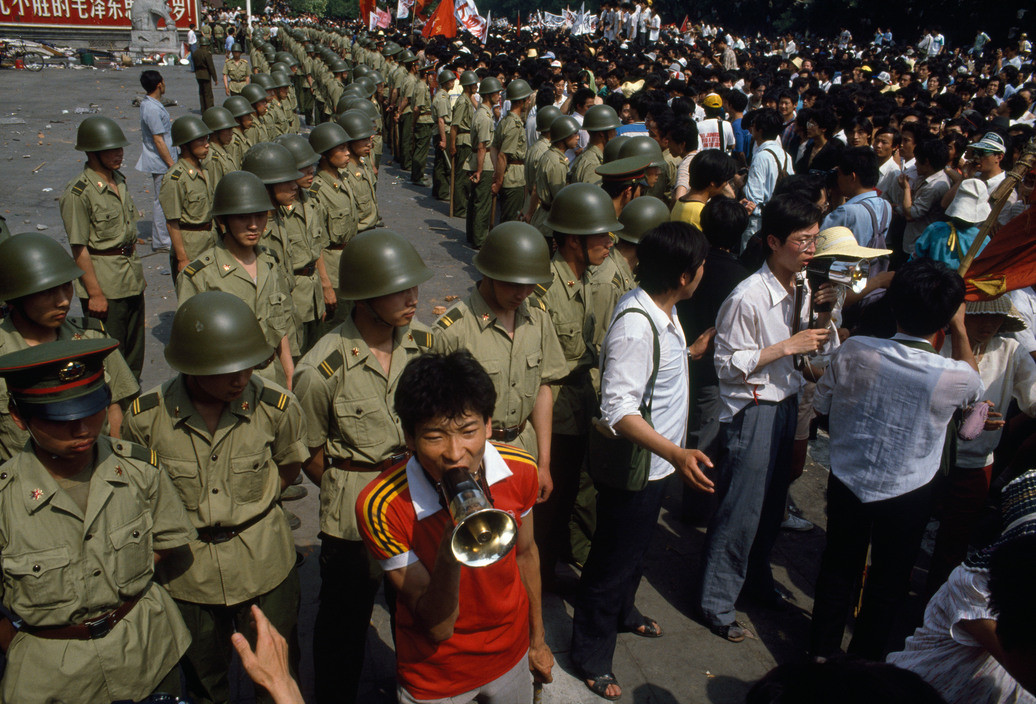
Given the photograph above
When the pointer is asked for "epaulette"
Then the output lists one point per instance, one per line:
(331, 364)
(175, 176)
(422, 338)
(541, 289)
(86, 323)
(450, 318)
(537, 302)
(5, 479)
(272, 397)
(272, 254)
(315, 187)
(144, 403)
(197, 265)
(79, 187)
(617, 280)
(125, 448)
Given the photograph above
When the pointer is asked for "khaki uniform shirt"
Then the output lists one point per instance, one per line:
(532, 161)
(120, 379)
(347, 400)
(333, 88)
(569, 300)
(481, 133)
(406, 88)
(62, 566)
(98, 217)
(461, 118)
(335, 199)
(363, 187)
(518, 366)
(510, 140)
(237, 74)
(238, 146)
(584, 168)
(304, 234)
(220, 162)
(225, 479)
(186, 196)
(441, 110)
(551, 177)
(422, 103)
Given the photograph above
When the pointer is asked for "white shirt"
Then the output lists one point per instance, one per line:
(1024, 299)
(889, 407)
(626, 363)
(757, 314)
(192, 38)
(708, 134)
(656, 26)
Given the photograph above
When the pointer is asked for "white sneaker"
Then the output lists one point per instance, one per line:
(796, 523)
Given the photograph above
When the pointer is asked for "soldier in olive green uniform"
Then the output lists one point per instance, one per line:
(239, 265)
(230, 443)
(545, 116)
(186, 194)
(255, 94)
(404, 113)
(83, 519)
(244, 115)
(480, 165)
(305, 82)
(552, 169)
(359, 172)
(36, 276)
(441, 109)
(334, 84)
(101, 222)
(509, 147)
(512, 336)
(220, 161)
(460, 141)
(600, 121)
(424, 124)
(235, 72)
(346, 384)
(581, 219)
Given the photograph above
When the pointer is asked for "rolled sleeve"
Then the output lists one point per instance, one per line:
(737, 350)
(626, 367)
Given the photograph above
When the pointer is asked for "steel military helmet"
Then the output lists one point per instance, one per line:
(546, 115)
(279, 66)
(98, 133)
(263, 80)
(300, 149)
(272, 163)
(391, 49)
(601, 118)
(31, 262)
(515, 252)
(445, 76)
(219, 118)
(377, 263)
(367, 85)
(326, 136)
(253, 93)
(188, 128)
(356, 124)
(642, 145)
(361, 71)
(337, 65)
(407, 56)
(377, 77)
(563, 127)
(363, 105)
(489, 85)
(611, 149)
(238, 106)
(215, 332)
(641, 215)
(235, 48)
(283, 56)
(518, 89)
(468, 78)
(240, 193)
(582, 209)
(280, 79)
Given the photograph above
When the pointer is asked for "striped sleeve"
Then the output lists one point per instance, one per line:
(376, 508)
(525, 471)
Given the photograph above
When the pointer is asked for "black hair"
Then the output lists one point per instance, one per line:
(826, 120)
(924, 295)
(768, 122)
(684, 131)
(666, 253)
(813, 185)
(737, 100)
(544, 97)
(786, 214)
(863, 162)
(149, 80)
(933, 151)
(435, 386)
(842, 679)
(889, 130)
(723, 220)
(1012, 570)
(711, 166)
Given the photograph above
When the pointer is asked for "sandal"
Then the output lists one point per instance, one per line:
(647, 628)
(599, 686)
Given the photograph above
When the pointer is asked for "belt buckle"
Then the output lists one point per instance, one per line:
(398, 457)
(221, 537)
(100, 627)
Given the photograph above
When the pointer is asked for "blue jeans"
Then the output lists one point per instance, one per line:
(751, 492)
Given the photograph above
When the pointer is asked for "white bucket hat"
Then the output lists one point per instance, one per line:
(971, 204)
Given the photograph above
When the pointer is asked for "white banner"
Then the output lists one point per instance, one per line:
(469, 19)
(403, 9)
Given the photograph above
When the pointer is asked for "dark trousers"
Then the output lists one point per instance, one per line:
(422, 142)
(960, 499)
(480, 205)
(406, 141)
(583, 521)
(349, 581)
(210, 654)
(125, 323)
(205, 94)
(460, 181)
(703, 434)
(441, 174)
(567, 453)
(608, 586)
(893, 528)
(512, 201)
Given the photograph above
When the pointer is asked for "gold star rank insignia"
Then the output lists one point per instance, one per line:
(356, 351)
(571, 283)
(226, 267)
(244, 405)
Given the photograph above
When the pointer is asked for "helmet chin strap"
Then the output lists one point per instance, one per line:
(367, 304)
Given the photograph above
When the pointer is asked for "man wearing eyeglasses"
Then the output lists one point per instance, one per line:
(764, 328)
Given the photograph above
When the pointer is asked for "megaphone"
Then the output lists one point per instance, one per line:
(482, 534)
(849, 273)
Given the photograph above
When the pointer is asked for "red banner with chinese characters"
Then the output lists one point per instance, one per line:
(88, 14)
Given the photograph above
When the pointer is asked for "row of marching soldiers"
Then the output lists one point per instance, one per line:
(281, 269)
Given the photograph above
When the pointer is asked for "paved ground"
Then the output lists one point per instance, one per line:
(687, 666)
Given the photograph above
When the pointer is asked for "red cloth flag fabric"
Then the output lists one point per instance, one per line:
(442, 23)
(366, 8)
(1008, 262)
(683, 26)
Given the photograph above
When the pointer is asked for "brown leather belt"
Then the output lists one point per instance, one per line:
(125, 250)
(336, 247)
(88, 630)
(196, 228)
(214, 535)
(306, 270)
(515, 160)
(351, 466)
(508, 434)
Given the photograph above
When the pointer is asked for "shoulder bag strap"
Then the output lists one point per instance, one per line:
(649, 392)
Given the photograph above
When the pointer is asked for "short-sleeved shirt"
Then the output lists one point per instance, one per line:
(481, 133)
(584, 170)
(102, 218)
(688, 211)
(551, 177)
(154, 120)
(303, 230)
(422, 103)
(237, 74)
(461, 116)
(220, 162)
(226, 479)
(363, 186)
(186, 196)
(441, 107)
(62, 566)
(403, 523)
(509, 139)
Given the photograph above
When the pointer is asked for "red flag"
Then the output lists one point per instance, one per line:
(1007, 263)
(683, 26)
(366, 8)
(443, 22)
(419, 7)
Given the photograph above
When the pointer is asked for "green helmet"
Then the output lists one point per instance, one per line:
(299, 148)
(377, 77)
(205, 41)
(253, 93)
(280, 79)
(97, 134)
(582, 209)
(515, 252)
(391, 49)
(377, 263)
(309, 48)
(326, 136)
(263, 80)
(367, 85)
(445, 76)
(600, 118)
(215, 332)
(611, 149)
(361, 71)
(407, 56)
(545, 116)
(240, 193)
(518, 89)
(283, 57)
(639, 216)
(273, 163)
(356, 124)
(489, 85)
(361, 104)
(642, 145)
(217, 118)
(188, 128)
(238, 106)
(563, 127)
(236, 48)
(31, 262)
(338, 66)
(469, 78)
(279, 66)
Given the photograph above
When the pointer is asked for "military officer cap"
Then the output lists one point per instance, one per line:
(629, 169)
(61, 381)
